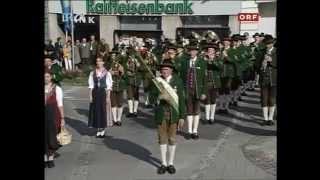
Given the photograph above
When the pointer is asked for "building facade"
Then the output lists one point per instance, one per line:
(111, 19)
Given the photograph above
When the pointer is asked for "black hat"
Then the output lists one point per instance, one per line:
(167, 63)
(211, 45)
(268, 39)
(227, 39)
(236, 37)
(192, 47)
(172, 46)
(114, 51)
(243, 37)
(261, 35)
(256, 35)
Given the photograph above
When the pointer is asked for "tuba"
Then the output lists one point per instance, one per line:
(211, 36)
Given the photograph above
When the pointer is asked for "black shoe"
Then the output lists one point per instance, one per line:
(129, 115)
(244, 94)
(239, 98)
(171, 169)
(210, 121)
(188, 136)
(162, 169)
(119, 124)
(149, 106)
(270, 123)
(50, 164)
(265, 123)
(195, 136)
(135, 114)
(56, 155)
(235, 104)
(45, 164)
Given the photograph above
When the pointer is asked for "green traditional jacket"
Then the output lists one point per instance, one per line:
(57, 74)
(269, 76)
(213, 72)
(259, 55)
(178, 60)
(118, 81)
(176, 84)
(229, 67)
(201, 67)
(131, 76)
(234, 57)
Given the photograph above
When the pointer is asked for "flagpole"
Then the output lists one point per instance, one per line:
(72, 35)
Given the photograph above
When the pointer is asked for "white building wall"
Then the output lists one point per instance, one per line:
(268, 22)
(250, 27)
(54, 31)
(234, 25)
(107, 26)
(169, 26)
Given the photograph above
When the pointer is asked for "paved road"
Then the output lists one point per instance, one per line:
(235, 147)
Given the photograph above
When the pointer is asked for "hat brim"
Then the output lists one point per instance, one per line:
(193, 48)
(269, 41)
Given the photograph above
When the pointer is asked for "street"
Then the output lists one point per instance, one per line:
(236, 146)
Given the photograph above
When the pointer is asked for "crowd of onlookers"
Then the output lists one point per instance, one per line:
(85, 52)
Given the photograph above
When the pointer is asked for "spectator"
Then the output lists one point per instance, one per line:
(93, 49)
(49, 47)
(77, 59)
(67, 55)
(84, 51)
(55, 69)
(59, 50)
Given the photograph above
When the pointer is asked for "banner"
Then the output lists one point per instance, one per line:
(66, 14)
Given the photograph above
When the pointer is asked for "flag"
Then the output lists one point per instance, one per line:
(66, 14)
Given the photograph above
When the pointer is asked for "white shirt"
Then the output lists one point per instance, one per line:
(168, 78)
(108, 80)
(193, 61)
(270, 50)
(59, 96)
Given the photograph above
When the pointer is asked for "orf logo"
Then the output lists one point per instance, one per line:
(248, 17)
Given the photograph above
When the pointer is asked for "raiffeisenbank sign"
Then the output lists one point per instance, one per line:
(151, 7)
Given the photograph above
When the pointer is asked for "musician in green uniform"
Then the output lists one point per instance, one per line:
(167, 117)
(268, 80)
(213, 81)
(227, 74)
(118, 87)
(133, 80)
(192, 73)
(244, 53)
(151, 61)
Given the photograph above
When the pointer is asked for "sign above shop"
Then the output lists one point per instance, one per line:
(248, 17)
(114, 7)
(79, 18)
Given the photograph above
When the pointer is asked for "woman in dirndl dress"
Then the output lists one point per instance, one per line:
(100, 84)
(54, 118)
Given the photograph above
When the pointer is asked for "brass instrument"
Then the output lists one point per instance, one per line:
(211, 36)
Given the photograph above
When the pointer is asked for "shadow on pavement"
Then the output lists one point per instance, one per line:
(81, 127)
(248, 130)
(130, 148)
(250, 101)
(84, 112)
(144, 119)
(248, 110)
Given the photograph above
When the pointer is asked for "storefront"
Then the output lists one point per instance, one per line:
(148, 18)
